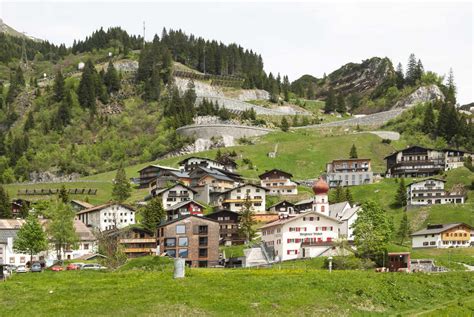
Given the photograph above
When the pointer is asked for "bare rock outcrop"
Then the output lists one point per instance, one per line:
(422, 94)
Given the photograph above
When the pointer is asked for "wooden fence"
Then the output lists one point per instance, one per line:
(55, 191)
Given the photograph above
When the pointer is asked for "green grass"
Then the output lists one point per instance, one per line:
(239, 292)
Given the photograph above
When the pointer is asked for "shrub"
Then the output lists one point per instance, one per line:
(349, 263)
(386, 141)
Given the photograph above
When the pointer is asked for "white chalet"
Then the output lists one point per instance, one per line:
(278, 182)
(173, 195)
(108, 216)
(451, 235)
(233, 199)
(429, 192)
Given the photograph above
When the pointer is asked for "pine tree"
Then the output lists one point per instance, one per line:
(121, 190)
(401, 196)
(339, 195)
(30, 122)
(63, 115)
(63, 195)
(111, 79)
(152, 214)
(5, 206)
(330, 104)
(285, 126)
(353, 152)
(419, 71)
(341, 104)
(400, 80)
(60, 228)
(153, 86)
(31, 238)
(411, 73)
(404, 229)
(86, 91)
(349, 197)
(58, 87)
(246, 221)
(286, 88)
(451, 94)
(429, 123)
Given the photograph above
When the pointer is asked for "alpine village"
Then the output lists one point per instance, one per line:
(175, 177)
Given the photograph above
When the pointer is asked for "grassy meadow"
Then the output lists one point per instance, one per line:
(147, 288)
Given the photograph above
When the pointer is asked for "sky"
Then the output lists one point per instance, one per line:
(294, 38)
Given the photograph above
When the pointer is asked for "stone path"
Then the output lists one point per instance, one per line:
(389, 135)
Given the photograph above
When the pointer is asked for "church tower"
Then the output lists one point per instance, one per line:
(320, 200)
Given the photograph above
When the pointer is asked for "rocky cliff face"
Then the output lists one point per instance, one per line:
(422, 94)
(361, 78)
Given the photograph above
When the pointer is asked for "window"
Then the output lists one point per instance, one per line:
(180, 229)
(170, 242)
(432, 243)
(183, 242)
(12, 260)
(86, 246)
(202, 241)
(171, 252)
(425, 243)
(202, 230)
(22, 259)
(202, 253)
(182, 253)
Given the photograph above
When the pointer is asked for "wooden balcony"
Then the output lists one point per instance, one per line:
(137, 250)
(139, 240)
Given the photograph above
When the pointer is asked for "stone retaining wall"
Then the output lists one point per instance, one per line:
(220, 130)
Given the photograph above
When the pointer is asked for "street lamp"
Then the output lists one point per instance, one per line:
(330, 263)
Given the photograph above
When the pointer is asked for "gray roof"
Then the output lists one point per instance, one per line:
(438, 229)
(216, 174)
(305, 201)
(337, 208)
(181, 204)
(7, 233)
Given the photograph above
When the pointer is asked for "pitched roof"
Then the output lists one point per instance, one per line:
(408, 148)
(439, 228)
(281, 202)
(304, 201)
(162, 190)
(283, 221)
(243, 185)
(7, 233)
(337, 208)
(160, 167)
(426, 179)
(275, 170)
(100, 207)
(183, 203)
(200, 158)
(82, 203)
(163, 224)
(220, 212)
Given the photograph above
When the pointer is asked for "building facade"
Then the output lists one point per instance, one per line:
(455, 158)
(278, 182)
(430, 192)
(188, 207)
(415, 161)
(454, 235)
(150, 172)
(173, 195)
(193, 238)
(135, 242)
(108, 216)
(283, 208)
(193, 162)
(349, 172)
(228, 227)
(234, 199)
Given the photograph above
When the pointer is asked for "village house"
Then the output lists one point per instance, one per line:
(234, 199)
(173, 195)
(228, 227)
(278, 182)
(282, 208)
(167, 177)
(17, 204)
(415, 161)
(108, 216)
(209, 183)
(193, 238)
(430, 192)
(455, 158)
(135, 241)
(451, 235)
(9, 230)
(184, 208)
(349, 172)
(151, 172)
(193, 162)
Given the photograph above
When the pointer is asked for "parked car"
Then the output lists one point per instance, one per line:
(73, 266)
(36, 268)
(21, 269)
(57, 268)
(93, 266)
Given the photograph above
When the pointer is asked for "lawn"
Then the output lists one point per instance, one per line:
(234, 292)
